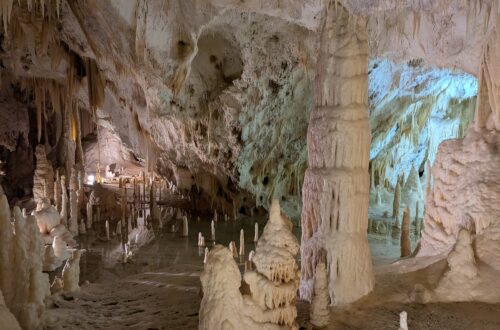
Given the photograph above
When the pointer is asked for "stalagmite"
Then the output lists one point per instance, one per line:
(335, 191)
(461, 278)
(73, 203)
(378, 199)
(273, 284)
(256, 234)
(242, 243)
(64, 202)
(71, 272)
(185, 229)
(57, 191)
(89, 215)
(397, 201)
(44, 173)
(205, 258)
(412, 191)
(233, 249)
(212, 227)
(107, 229)
(6, 250)
(200, 236)
(405, 234)
(31, 285)
(403, 321)
(319, 313)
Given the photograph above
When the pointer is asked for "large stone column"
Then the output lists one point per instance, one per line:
(336, 186)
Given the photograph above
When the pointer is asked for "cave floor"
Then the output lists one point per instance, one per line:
(160, 289)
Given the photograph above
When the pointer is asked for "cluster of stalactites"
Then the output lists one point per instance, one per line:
(49, 8)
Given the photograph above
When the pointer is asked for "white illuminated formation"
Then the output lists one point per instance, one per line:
(242, 242)
(25, 288)
(273, 284)
(212, 230)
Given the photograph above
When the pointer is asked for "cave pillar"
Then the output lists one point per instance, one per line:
(335, 192)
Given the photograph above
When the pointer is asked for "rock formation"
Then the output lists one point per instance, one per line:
(460, 196)
(71, 272)
(8, 320)
(397, 202)
(405, 234)
(73, 203)
(461, 278)
(335, 192)
(64, 202)
(44, 175)
(242, 242)
(272, 286)
(412, 192)
(320, 313)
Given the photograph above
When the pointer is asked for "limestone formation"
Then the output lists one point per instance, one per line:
(6, 250)
(233, 249)
(397, 201)
(71, 272)
(335, 192)
(60, 248)
(461, 278)
(405, 234)
(256, 234)
(242, 243)
(31, 286)
(44, 175)
(274, 283)
(185, 229)
(57, 191)
(412, 191)
(89, 215)
(212, 230)
(8, 320)
(272, 286)
(64, 202)
(320, 313)
(403, 321)
(73, 203)
(50, 261)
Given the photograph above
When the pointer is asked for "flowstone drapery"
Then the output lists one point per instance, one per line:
(335, 192)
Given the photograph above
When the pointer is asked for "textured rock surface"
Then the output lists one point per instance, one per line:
(336, 184)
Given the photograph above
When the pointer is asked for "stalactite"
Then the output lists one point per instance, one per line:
(96, 84)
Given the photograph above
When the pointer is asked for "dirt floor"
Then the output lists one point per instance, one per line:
(160, 289)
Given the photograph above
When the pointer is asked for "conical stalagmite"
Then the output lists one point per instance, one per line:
(320, 313)
(405, 234)
(397, 201)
